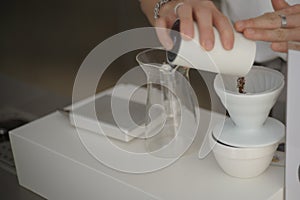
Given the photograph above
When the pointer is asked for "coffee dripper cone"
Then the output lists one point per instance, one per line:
(250, 110)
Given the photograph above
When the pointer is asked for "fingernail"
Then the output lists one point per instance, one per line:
(279, 47)
(228, 45)
(208, 45)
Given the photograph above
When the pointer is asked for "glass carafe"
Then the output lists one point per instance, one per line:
(171, 115)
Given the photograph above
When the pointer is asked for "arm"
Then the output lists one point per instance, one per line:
(147, 7)
(203, 12)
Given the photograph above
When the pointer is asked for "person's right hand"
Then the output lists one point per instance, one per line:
(204, 13)
(268, 27)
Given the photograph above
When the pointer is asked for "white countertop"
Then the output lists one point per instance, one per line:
(187, 178)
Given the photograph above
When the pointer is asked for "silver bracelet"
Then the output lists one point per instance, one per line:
(158, 6)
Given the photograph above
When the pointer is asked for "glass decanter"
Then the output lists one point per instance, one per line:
(171, 115)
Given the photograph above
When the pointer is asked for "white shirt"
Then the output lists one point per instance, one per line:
(244, 9)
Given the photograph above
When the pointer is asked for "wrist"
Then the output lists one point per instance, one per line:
(158, 6)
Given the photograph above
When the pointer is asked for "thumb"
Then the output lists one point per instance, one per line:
(279, 4)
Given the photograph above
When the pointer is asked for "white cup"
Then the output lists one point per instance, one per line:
(237, 61)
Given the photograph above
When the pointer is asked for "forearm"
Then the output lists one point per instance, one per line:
(203, 12)
(147, 7)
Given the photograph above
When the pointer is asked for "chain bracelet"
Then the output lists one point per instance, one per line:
(158, 6)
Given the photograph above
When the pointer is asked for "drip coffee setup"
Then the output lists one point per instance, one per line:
(245, 143)
(158, 158)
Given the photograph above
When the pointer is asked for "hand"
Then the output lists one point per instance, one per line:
(205, 14)
(268, 28)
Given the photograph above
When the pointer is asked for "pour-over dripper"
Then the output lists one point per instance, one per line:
(249, 124)
(250, 110)
(245, 144)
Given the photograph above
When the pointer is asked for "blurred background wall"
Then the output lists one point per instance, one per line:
(44, 42)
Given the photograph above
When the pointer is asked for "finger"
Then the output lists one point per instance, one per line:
(163, 33)
(205, 25)
(293, 20)
(279, 4)
(225, 29)
(276, 35)
(186, 21)
(279, 46)
(294, 46)
(290, 10)
(271, 20)
(266, 21)
(168, 15)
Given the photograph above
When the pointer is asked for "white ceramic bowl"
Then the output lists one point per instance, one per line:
(250, 110)
(242, 162)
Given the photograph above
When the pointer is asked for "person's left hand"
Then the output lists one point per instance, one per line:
(268, 27)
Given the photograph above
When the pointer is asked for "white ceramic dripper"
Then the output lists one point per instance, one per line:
(245, 144)
(250, 110)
